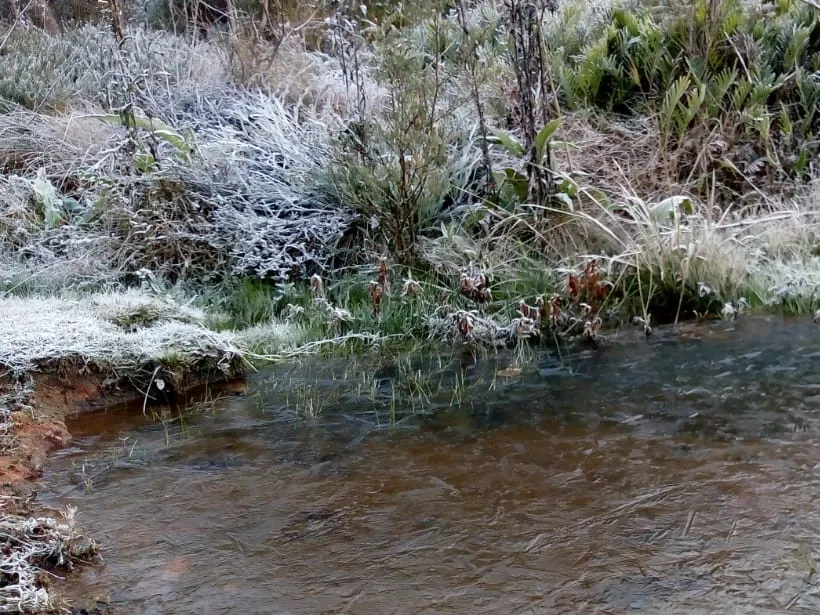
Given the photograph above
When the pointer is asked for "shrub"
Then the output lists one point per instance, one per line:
(401, 167)
(732, 84)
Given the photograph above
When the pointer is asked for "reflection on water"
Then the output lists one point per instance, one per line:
(677, 476)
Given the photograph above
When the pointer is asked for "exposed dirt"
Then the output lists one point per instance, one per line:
(41, 429)
(38, 426)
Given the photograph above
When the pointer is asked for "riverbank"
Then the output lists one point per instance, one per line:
(177, 208)
(691, 453)
(61, 357)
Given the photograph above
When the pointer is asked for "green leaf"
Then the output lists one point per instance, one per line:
(797, 46)
(109, 118)
(785, 121)
(46, 194)
(145, 163)
(475, 217)
(669, 107)
(507, 142)
(174, 138)
(518, 181)
(156, 127)
(71, 206)
(568, 187)
(693, 105)
(802, 160)
(543, 136)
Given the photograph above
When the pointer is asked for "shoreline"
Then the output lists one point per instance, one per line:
(38, 429)
(37, 404)
(61, 357)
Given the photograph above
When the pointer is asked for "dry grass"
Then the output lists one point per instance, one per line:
(61, 145)
(611, 154)
(31, 544)
(693, 251)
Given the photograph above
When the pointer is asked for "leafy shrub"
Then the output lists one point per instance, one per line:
(399, 169)
(734, 85)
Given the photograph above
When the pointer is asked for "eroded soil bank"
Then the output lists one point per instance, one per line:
(38, 422)
(36, 407)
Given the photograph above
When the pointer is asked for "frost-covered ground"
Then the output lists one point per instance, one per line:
(117, 332)
(29, 544)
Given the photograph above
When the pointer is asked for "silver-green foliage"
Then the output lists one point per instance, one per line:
(398, 169)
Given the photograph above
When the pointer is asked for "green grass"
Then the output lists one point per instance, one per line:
(241, 302)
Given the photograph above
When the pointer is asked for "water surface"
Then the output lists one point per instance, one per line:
(677, 476)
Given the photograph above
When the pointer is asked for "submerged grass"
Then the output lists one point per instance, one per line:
(392, 388)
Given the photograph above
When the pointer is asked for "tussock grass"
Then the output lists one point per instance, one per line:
(81, 67)
(133, 310)
(63, 146)
(678, 258)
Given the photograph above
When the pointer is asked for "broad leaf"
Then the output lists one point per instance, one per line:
(543, 137)
(507, 142)
(518, 181)
(670, 208)
(46, 194)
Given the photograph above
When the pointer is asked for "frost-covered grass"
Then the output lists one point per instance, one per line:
(246, 202)
(108, 332)
(30, 545)
(249, 172)
(77, 69)
(681, 259)
(234, 186)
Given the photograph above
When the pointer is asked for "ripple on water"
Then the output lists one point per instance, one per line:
(678, 476)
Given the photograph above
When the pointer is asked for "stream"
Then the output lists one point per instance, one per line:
(674, 475)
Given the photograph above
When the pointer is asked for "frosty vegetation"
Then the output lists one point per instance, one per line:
(666, 146)
(192, 186)
(111, 332)
(29, 545)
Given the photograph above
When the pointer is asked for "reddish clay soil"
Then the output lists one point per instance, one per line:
(41, 431)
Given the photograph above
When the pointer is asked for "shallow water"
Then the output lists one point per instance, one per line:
(677, 476)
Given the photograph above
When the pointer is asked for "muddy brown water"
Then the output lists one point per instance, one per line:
(677, 476)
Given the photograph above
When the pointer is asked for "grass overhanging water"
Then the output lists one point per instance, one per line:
(471, 172)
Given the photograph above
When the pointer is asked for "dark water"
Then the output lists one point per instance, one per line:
(678, 476)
